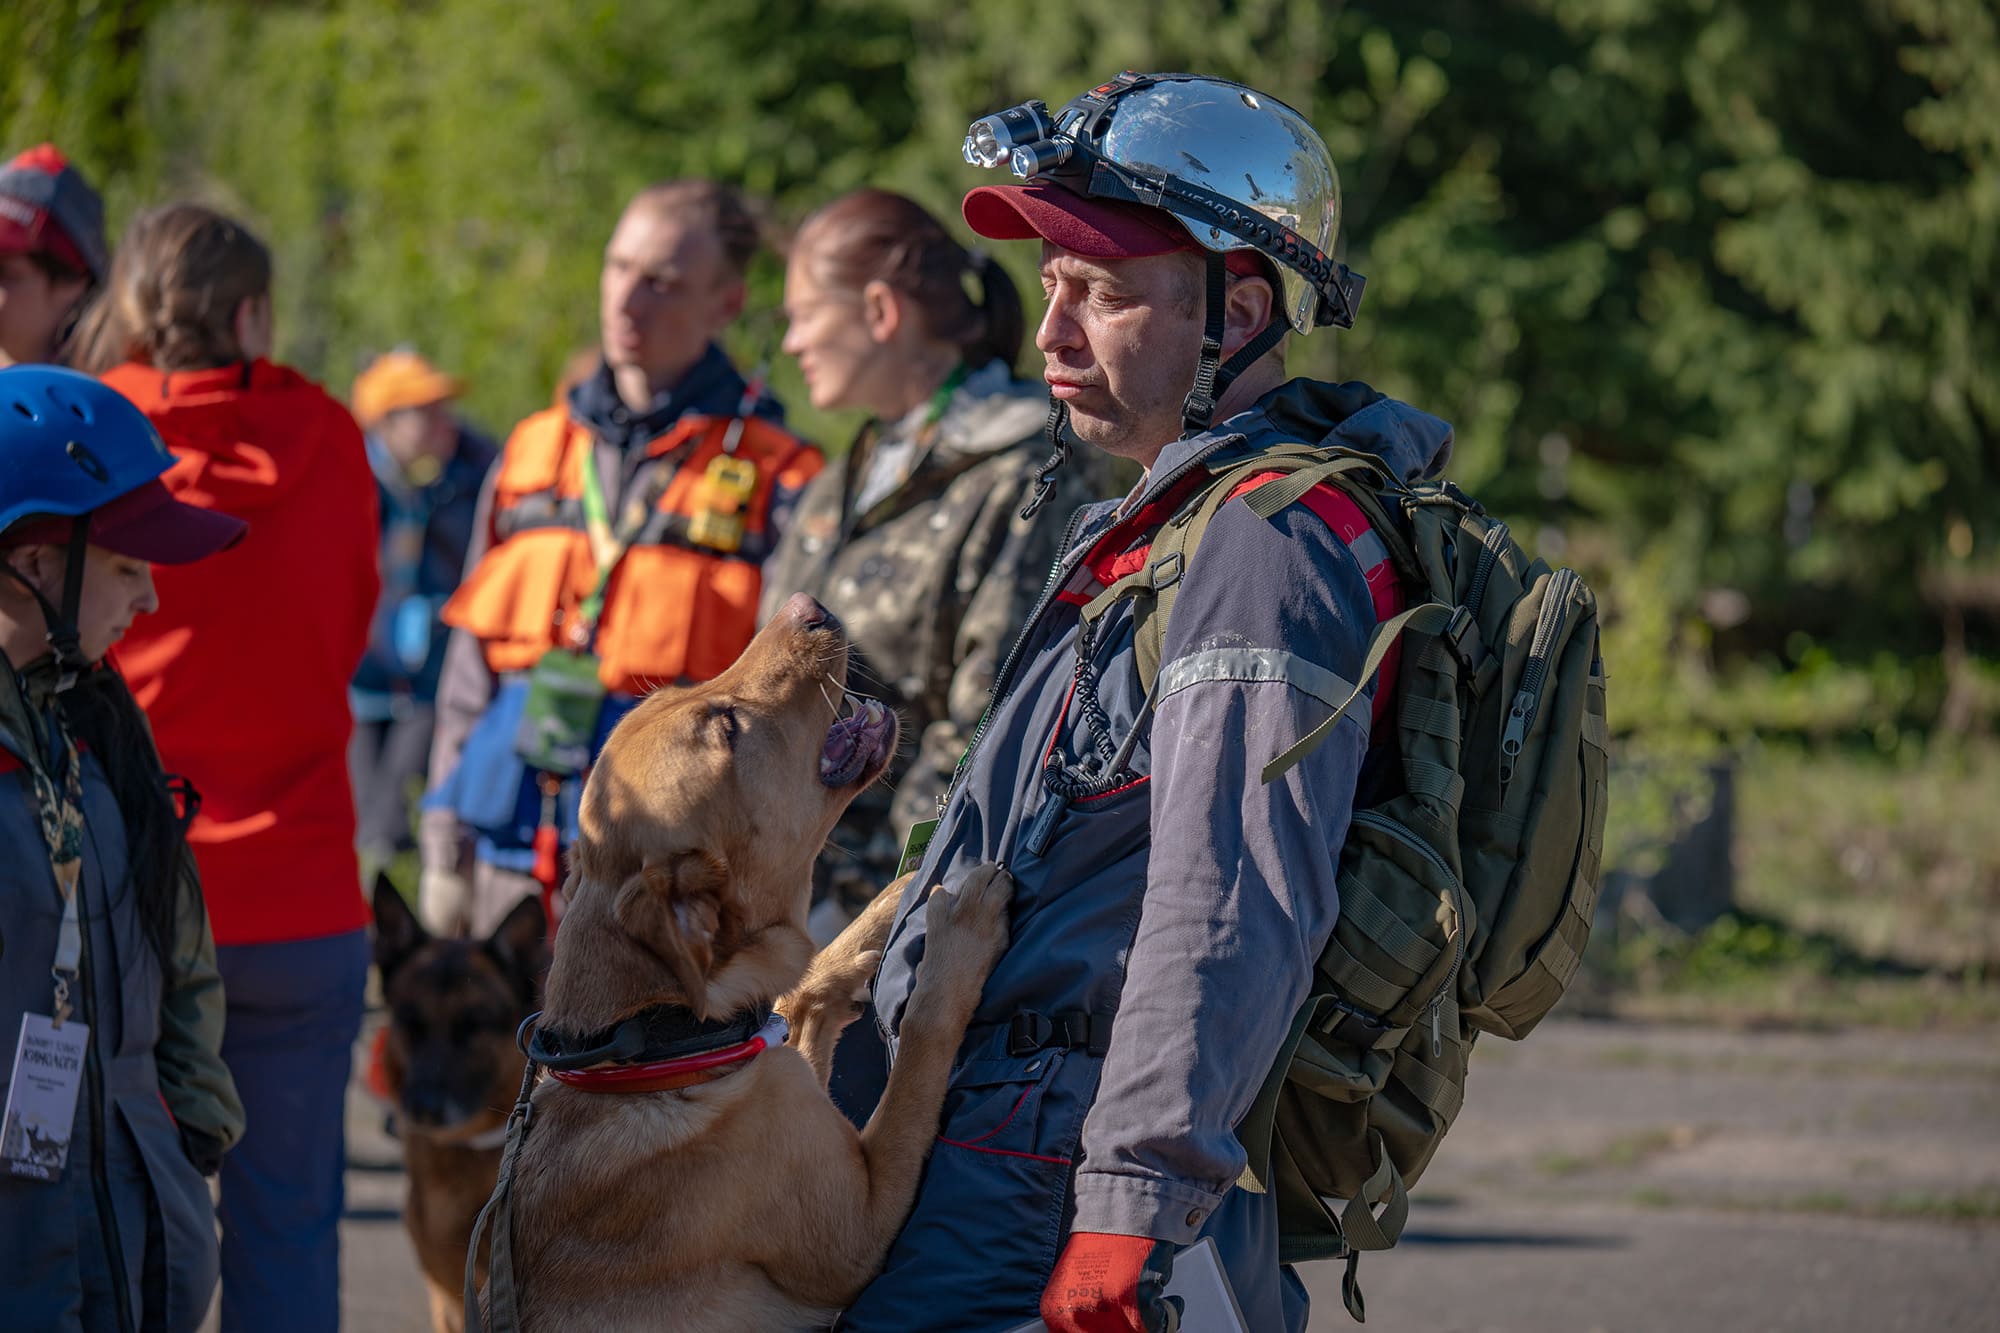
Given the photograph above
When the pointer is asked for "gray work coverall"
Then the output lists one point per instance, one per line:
(1189, 902)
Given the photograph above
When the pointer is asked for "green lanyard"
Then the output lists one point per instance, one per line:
(942, 398)
(606, 547)
(61, 812)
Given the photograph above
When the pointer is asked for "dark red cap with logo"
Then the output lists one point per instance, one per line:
(48, 208)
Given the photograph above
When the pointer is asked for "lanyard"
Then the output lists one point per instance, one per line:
(606, 547)
(61, 814)
(941, 399)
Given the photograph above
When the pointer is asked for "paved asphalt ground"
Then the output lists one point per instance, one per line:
(1613, 1177)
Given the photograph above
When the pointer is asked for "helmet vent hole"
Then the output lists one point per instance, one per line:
(86, 460)
(26, 411)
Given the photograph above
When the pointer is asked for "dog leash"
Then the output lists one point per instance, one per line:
(503, 1311)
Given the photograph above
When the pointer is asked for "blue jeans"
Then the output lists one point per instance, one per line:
(294, 1010)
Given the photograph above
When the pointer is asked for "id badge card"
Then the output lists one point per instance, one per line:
(41, 1097)
(919, 842)
(559, 717)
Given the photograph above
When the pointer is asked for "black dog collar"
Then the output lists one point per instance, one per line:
(657, 1032)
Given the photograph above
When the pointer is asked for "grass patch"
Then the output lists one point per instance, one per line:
(1755, 972)
(1561, 1164)
(1975, 1206)
(1867, 891)
(1865, 895)
(1971, 1206)
(1622, 1153)
(1886, 856)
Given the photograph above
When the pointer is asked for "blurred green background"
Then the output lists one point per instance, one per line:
(1708, 288)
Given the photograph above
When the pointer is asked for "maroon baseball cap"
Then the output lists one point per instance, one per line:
(146, 523)
(47, 207)
(1098, 228)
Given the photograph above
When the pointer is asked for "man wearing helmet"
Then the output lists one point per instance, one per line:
(1169, 904)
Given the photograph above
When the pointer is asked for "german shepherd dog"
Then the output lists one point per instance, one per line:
(452, 1068)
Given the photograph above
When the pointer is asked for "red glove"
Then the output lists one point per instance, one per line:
(1110, 1284)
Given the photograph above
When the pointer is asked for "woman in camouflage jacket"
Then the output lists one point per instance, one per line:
(915, 539)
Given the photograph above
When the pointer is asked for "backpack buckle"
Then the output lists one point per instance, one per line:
(1363, 1031)
(1461, 637)
(1167, 570)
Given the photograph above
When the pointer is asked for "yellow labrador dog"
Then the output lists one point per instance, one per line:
(685, 1169)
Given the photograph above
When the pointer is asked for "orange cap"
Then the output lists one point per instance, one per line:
(397, 380)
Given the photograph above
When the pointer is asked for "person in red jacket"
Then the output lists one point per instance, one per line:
(244, 676)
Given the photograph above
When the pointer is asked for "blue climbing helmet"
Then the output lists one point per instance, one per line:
(69, 444)
(80, 464)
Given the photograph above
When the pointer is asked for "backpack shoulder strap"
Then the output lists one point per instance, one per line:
(1303, 467)
(1173, 546)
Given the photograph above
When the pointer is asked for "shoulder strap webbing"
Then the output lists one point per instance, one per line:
(1174, 545)
(1424, 618)
(1155, 586)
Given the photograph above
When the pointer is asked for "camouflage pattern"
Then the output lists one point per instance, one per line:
(933, 582)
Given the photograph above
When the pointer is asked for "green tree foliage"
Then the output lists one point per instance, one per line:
(1713, 274)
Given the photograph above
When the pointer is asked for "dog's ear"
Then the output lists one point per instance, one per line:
(520, 945)
(674, 909)
(398, 933)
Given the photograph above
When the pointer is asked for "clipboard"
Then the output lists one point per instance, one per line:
(1208, 1304)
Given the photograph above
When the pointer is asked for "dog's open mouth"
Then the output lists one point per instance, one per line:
(858, 743)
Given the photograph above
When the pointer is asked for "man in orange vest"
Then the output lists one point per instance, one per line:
(618, 546)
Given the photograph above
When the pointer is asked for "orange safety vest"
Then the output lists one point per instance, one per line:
(674, 609)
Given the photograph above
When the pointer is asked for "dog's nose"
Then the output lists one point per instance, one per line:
(809, 613)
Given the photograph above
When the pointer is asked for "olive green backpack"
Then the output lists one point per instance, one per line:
(1466, 895)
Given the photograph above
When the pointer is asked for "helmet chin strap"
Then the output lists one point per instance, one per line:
(1213, 375)
(64, 638)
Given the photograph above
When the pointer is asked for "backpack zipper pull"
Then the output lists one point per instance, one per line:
(1437, 1035)
(1515, 735)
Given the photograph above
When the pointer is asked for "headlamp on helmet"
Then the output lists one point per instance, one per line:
(992, 139)
(1190, 145)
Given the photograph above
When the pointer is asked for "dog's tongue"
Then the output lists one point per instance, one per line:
(854, 743)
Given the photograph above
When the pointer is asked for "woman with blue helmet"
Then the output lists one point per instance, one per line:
(117, 1101)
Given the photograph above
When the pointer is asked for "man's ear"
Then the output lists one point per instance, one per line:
(674, 910)
(1248, 303)
(398, 933)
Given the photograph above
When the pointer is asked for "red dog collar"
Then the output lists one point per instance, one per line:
(684, 1071)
